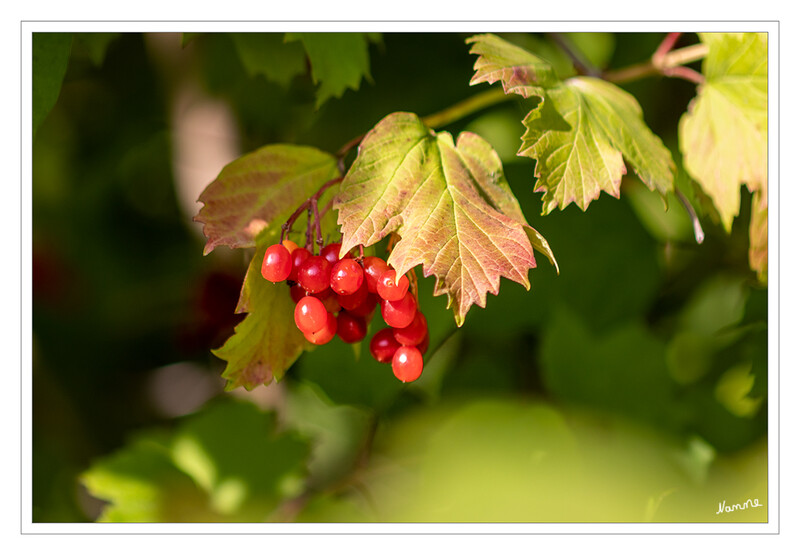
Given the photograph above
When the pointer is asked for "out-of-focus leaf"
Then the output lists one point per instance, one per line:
(267, 341)
(141, 484)
(259, 190)
(224, 464)
(233, 453)
(269, 55)
(733, 390)
(50, 58)
(449, 203)
(758, 254)
(96, 44)
(723, 136)
(623, 369)
(338, 61)
(509, 460)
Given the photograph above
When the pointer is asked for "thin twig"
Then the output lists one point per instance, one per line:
(582, 65)
(666, 45)
(670, 60)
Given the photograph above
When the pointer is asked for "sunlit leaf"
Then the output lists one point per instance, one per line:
(449, 203)
(261, 189)
(519, 71)
(267, 341)
(723, 137)
(579, 135)
(580, 130)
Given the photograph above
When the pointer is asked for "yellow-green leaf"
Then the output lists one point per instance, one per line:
(449, 203)
(723, 136)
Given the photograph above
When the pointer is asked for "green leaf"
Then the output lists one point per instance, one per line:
(261, 190)
(519, 71)
(269, 55)
(96, 44)
(266, 343)
(225, 463)
(233, 453)
(579, 132)
(758, 235)
(50, 58)
(338, 61)
(723, 136)
(141, 484)
(450, 204)
(578, 136)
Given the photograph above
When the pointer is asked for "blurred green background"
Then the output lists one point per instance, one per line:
(632, 387)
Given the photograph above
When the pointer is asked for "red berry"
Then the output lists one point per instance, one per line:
(399, 314)
(331, 252)
(346, 276)
(277, 264)
(329, 299)
(414, 333)
(325, 334)
(314, 274)
(383, 345)
(366, 307)
(290, 245)
(407, 364)
(297, 293)
(353, 301)
(310, 315)
(299, 255)
(374, 267)
(351, 329)
(387, 288)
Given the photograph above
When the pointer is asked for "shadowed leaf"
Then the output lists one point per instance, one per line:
(338, 61)
(50, 58)
(519, 71)
(261, 190)
(267, 54)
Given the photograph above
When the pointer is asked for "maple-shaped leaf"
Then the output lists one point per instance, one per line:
(519, 71)
(259, 190)
(579, 132)
(579, 135)
(267, 341)
(449, 203)
(723, 136)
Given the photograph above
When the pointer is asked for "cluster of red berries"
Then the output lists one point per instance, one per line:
(336, 296)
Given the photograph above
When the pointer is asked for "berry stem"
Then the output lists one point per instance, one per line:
(286, 227)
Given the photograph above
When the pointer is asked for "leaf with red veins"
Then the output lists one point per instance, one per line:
(519, 71)
(449, 203)
(260, 190)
